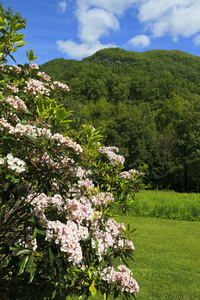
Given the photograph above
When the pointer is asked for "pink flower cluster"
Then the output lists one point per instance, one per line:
(33, 66)
(34, 87)
(16, 102)
(13, 88)
(101, 241)
(80, 210)
(86, 184)
(102, 199)
(122, 277)
(2, 68)
(80, 172)
(58, 164)
(32, 130)
(130, 174)
(30, 243)
(68, 236)
(60, 86)
(4, 124)
(111, 236)
(16, 69)
(113, 157)
(44, 76)
(13, 163)
(66, 141)
(40, 201)
(114, 228)
(80, 213)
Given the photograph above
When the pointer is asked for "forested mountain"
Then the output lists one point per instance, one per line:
(148, 105)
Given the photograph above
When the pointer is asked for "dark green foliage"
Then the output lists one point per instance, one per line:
(147, 104)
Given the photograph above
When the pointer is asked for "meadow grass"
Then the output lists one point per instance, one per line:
(166, 205)
(167, 264)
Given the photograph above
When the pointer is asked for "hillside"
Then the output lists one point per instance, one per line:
(174, 61)
(148, 105)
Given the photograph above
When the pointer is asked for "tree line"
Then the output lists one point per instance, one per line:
(147, 104)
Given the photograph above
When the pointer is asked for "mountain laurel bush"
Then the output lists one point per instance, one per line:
(57, 186)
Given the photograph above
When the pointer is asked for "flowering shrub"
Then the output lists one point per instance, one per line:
(56, 190)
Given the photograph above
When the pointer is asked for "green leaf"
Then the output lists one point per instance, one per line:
(12, 58)
(2, 47)
(18, 38)
(28, 111)
(19, 26)
(32, 219)
(30, 137)
(53, 294)
(25, 251)
(133, 230)
(21, 44)
(2, 39)
(13, 50)
(93, 290)
(23, 265)
(12, 25)
(51, 256)
(30, 54)
(2, 22)
(30, 261)
(40, 231)
(14, 248)
(32, 273)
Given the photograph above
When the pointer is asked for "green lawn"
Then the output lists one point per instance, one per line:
(167, 258)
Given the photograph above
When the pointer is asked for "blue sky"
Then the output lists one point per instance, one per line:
(74, 29)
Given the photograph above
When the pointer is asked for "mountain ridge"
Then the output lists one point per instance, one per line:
(153, 60)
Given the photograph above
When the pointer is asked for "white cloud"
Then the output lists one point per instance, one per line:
(99, 18)
(116, 7)
(78, 51)
(61, 7)
(140, 41)
(96, 19)
(95, 23)
(196, 40)
(177, 18)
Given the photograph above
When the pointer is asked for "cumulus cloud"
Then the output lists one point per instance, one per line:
(177, 18)
(140, 41)
(78, 51)
(61, 7)
(99, 18)
(196, 40)
(95, 23)
(96, 19)
(116, 7)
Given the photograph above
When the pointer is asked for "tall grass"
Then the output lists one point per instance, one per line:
(166, 205)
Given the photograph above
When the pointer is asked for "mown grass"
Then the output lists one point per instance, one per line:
(166, 205)
(167, 264)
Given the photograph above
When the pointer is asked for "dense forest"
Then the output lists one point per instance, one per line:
(148, 105)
